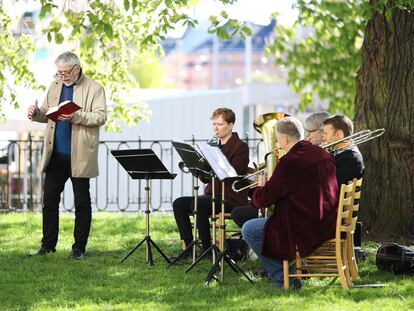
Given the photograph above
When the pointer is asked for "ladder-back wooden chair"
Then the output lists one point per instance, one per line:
(330, 259)
(353, 267)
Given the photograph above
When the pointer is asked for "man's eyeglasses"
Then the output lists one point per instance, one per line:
(64, 74)
(311, 131)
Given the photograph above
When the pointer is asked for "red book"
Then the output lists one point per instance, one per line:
(66, 107)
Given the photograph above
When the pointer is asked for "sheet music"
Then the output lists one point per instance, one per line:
(217, 160)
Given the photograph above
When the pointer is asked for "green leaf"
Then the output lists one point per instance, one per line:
(126, 5)
(388, 14)
(58, 38)
(108, 30)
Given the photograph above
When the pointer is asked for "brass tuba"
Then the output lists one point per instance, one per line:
(265, 124)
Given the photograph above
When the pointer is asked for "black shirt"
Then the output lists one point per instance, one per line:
(349, 165)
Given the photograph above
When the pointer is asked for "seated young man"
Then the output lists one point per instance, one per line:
(348, 160)
(304, 189)
(237, 152)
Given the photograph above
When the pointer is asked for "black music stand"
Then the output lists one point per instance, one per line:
(225, 172)
(144, 164)
(196, 165)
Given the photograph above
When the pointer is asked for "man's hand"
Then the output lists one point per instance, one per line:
(66, 117)
(261, 178)
(32, 110)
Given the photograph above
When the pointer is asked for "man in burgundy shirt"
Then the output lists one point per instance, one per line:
(305, 191)
(237, 152)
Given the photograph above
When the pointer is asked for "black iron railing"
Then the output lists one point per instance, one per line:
(21, 179)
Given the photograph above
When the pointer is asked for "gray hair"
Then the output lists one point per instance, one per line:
(68, 58)
(290, 127)
(315, 121)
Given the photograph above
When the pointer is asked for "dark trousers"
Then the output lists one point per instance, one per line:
(184, 207)
(241, 214)
(57, 173)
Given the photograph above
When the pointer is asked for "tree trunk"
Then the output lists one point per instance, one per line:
(385, 99)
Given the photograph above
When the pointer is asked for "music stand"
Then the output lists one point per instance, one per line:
(225, 172)
(144, 164)
(196, 166)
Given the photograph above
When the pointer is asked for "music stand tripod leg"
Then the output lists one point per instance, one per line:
(235, 267)
(133, 250)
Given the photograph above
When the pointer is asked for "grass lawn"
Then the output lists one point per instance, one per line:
(99, 282)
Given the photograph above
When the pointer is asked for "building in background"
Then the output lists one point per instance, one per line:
(198, 60)
(207, 73)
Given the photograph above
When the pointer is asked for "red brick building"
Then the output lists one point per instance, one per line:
(198, 60)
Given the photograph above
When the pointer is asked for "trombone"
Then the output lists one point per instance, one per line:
(260, 172)
(355, 139)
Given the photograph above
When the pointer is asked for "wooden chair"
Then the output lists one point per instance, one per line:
(224, 231)
(353, 267)
(330, 259)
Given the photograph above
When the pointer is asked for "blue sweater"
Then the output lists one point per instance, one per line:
(63, 132)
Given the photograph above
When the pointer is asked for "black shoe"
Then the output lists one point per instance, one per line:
(208, 255)
(186, 256)
(261, 272)
(42, 251)
(76, 254)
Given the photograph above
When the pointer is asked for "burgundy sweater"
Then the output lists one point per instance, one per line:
(305, 191)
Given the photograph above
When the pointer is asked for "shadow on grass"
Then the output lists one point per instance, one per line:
(100, 282)
(54, 281)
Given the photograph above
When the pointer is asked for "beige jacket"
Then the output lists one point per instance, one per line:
(90, 95)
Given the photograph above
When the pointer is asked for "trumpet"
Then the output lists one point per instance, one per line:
(355, 139)
(261, 171)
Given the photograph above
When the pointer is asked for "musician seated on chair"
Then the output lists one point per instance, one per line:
(314, 127)
(304, 190)
(237, 152)
(348, 160)
(314, 134)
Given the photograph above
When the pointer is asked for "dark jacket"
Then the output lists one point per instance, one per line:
(237, 152)
(305, 191)
(349, 165)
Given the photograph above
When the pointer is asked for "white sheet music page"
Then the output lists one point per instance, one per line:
(217, 160)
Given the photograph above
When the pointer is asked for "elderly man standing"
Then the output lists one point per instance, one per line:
(70, 150)
(304, 189)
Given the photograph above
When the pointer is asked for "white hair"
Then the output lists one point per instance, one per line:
(68, 58)
(315, 121)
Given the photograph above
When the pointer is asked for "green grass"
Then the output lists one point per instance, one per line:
(99, 282)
